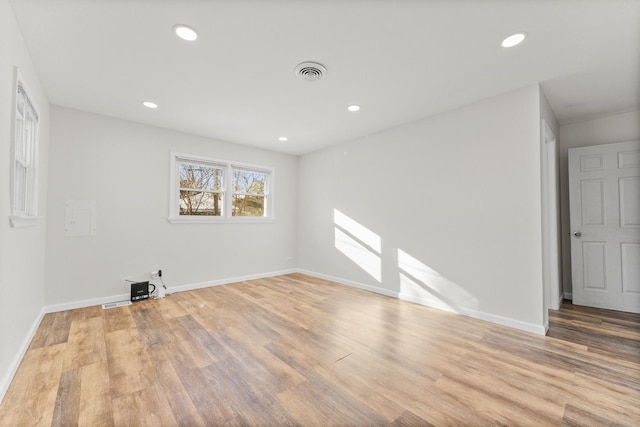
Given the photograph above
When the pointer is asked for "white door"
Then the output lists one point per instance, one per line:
(604, 191)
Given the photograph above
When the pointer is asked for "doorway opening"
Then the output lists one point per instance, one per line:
(550, 221)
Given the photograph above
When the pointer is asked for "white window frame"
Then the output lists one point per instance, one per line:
(227, 204)
(24, 150)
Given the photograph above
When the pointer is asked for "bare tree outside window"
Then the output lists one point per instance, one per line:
(201, 189)
(248, 193)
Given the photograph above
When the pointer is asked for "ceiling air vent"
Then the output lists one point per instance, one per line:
(310, 71)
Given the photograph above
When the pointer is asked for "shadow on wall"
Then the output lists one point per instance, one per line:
(417, 281)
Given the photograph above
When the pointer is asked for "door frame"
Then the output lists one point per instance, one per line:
(550, 222)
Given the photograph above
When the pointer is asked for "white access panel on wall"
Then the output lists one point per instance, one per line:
(604, 192)
(80, 218)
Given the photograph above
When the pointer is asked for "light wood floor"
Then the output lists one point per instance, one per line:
(295, 350)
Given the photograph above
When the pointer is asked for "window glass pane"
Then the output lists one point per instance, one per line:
(20, 140)
(249, 182)
(20, 103)
(200, 203)
(201, 177)
(20, 188)
(248, 205)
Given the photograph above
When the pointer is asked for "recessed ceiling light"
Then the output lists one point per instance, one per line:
(185, 33)
(353, 107)
(283, 138)
(150, 104)
(513, 40)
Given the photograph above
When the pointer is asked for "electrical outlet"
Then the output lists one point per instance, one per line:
(156, 274)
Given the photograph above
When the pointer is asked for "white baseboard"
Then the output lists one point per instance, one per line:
(85, 303)
(228, 281)
(122, 297)
(5, 382)
(568, 296)
(433, 303)
(351, 283)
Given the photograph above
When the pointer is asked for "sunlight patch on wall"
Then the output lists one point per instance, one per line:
(358, 230)
(421, 281)
(359, 244)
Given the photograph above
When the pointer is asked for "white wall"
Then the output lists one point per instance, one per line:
(124, 166)
(605, 130)
(454, 201)
(21, 249)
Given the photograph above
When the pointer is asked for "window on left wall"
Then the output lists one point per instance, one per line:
(24, 159)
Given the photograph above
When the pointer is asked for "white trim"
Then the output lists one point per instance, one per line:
(20, 218)
(103, 300)
(568, 296)
(5, 382)
(24, 221)
(550, 221)
(220, 220)
(227, 203)
(85, 303)
(351, 283)
(500, 320)
(229, 281)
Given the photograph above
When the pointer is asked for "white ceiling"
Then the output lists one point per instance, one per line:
(401, 60)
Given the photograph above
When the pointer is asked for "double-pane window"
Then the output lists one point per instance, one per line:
(209, 190)
(24, 159)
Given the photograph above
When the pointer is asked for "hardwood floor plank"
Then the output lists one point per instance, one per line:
(490, 402)
(95, 396)
(54, 330)
(620, 401)
(203, 338)
(86, 313)
(86, 343)
(185, 346)
(59, 333)
(42, 334)
(253, 402)
(282, 372)
(206, 399)
(170, 309)
(150, 324)
(320, 377)
(67, 409)
(31, 398)
(580, 417)
(183, 409)
(312, 405)
(146, 407)
(130, 367)
(118, 318)
(409, 419)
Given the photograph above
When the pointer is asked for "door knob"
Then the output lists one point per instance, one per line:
(577, 233)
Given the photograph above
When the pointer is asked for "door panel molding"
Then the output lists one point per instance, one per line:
(604, 199)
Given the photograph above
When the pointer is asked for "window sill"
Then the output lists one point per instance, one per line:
(209, 220)
(24, 221)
